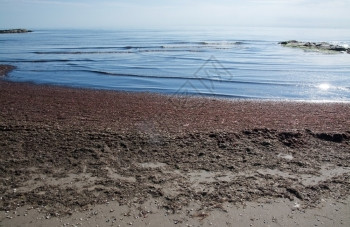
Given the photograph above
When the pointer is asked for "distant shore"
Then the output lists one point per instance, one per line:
(18, 30)
(131, 157)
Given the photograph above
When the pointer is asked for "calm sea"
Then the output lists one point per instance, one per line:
(217, 62)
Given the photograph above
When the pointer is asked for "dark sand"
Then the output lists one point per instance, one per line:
(109, 158)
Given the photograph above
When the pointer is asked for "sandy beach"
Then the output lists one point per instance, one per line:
(91, 157)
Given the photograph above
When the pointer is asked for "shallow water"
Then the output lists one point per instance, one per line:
(221, 62)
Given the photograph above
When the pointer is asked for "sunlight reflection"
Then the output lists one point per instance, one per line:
(324, 86)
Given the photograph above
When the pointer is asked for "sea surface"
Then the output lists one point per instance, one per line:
(244, 63)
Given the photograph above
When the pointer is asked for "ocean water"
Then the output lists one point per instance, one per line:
(226, 62)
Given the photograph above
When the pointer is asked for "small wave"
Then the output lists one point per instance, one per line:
(183, 46)
(82, 52)
(223, 43)
(126, 74)
(88, 48)
(191, 78)
(44, 61)
(139, 47)
(51, 60)
(162, 49)
(207, 43)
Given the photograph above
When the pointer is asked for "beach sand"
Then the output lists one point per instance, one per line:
(90, 157)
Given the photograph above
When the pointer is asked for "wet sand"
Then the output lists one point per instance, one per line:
(111, 158)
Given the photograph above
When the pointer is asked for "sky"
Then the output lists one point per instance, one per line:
(108, 14)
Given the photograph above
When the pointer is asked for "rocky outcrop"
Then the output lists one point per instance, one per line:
(316, 46)
(4, 69)
(20, 30)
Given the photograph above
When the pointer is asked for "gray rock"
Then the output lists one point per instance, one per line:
(315, 46)
(20, 30)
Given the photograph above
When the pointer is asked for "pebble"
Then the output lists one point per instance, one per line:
(296, 205)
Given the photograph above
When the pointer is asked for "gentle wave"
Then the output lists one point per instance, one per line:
(106, 52)
(183, 46)
(49, 60)
(82, 52)
(189, 78)
(179, 44)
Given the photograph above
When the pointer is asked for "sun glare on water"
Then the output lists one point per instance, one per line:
(324, 87)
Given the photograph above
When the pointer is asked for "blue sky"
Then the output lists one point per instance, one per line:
(172, 13)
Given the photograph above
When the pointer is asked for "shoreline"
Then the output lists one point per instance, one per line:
(168, 96)
(67, 150)
(235, 114)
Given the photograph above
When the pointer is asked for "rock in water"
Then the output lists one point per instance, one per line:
(20, 30)
(4, 69)
(315, 46)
